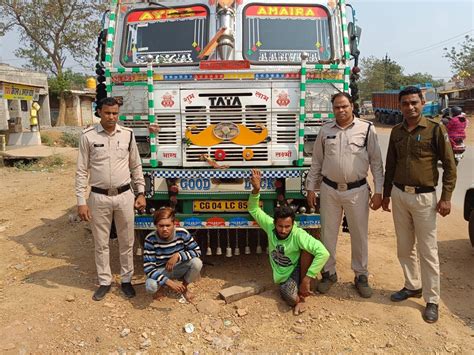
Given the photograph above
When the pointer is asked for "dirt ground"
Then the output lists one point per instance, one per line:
(47, 277)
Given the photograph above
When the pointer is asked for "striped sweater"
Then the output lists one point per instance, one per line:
(157, 252)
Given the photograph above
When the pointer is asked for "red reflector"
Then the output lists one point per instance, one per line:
(224, 64)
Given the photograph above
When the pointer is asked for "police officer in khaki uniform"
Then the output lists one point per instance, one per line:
(411, 175)
(342, 154)
(108, 156)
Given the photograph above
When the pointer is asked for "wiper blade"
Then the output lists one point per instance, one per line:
(158, 4)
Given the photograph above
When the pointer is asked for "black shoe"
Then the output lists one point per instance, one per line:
(430, 315)
(362, 285)
(128, 290)
(326, 282)
(100, 293)
(404, 294)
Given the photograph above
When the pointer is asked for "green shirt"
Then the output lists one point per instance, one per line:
(284, 254)
(412, 157)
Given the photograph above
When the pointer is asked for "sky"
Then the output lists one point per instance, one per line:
(412, 33)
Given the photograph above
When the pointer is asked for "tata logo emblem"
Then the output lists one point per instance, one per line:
(283, 99)
(167, 100)
(233, 101)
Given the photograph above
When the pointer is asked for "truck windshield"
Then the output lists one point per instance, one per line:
(281, 33)
(430, 95)
(171, 36)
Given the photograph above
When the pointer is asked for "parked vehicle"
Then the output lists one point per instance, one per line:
(232, 85)
(387, 109)
(456, 122)
(366, 108)
(469, 211)
(458, 149)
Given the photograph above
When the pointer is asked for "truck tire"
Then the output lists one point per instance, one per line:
(399, 118)
(471, 228)
(377, 116)
(392, 118)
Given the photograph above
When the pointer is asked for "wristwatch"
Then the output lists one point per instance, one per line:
(140, 194)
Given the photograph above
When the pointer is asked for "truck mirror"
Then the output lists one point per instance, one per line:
(354, 33)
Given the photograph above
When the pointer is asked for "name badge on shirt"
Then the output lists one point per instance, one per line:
(98, 145)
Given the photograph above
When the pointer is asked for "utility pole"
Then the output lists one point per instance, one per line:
(386, 61)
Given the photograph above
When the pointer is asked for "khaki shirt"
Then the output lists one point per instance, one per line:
(412, 157)
(104, 159)
(340, 155)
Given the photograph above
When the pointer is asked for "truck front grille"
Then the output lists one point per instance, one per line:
(200, 117)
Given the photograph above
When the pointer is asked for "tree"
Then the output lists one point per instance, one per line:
(386, 74)
(66, 82)
(421, 78)
(52, 30)
(379, 75)
(462, 59)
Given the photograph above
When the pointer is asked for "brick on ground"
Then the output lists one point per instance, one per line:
(237, 292)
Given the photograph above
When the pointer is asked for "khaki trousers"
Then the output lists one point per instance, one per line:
(355, 204)
(414, 216)
(121, 208)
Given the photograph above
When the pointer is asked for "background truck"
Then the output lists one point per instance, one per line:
(233, 85)
(387, 109)
(366, 108)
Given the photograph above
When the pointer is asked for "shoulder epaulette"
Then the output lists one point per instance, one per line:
(88, 129)
(366, 121)
(126, 129)
(432, 120)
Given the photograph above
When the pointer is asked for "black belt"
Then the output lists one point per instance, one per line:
(344, 187)
(113, 191)
(414, 189)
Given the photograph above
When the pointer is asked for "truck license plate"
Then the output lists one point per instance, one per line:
(220, 206)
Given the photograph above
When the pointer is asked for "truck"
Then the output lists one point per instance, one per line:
(233, 85)
(366, 108)
(387, 109)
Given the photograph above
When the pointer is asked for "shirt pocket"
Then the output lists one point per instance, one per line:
(423, 149)
(122, 151)
(400, 146)
(330, 146)
(357, 145)
(98, 151)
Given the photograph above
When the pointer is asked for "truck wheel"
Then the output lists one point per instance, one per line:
(471, 228)
(377, 116)
(392, 119)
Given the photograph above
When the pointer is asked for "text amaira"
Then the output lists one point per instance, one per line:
(285, 11)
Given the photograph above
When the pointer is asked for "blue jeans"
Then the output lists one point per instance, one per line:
(188, 270)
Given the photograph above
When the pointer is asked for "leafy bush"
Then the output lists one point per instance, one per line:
(70, 140)
(46, 139)
(45, 164)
